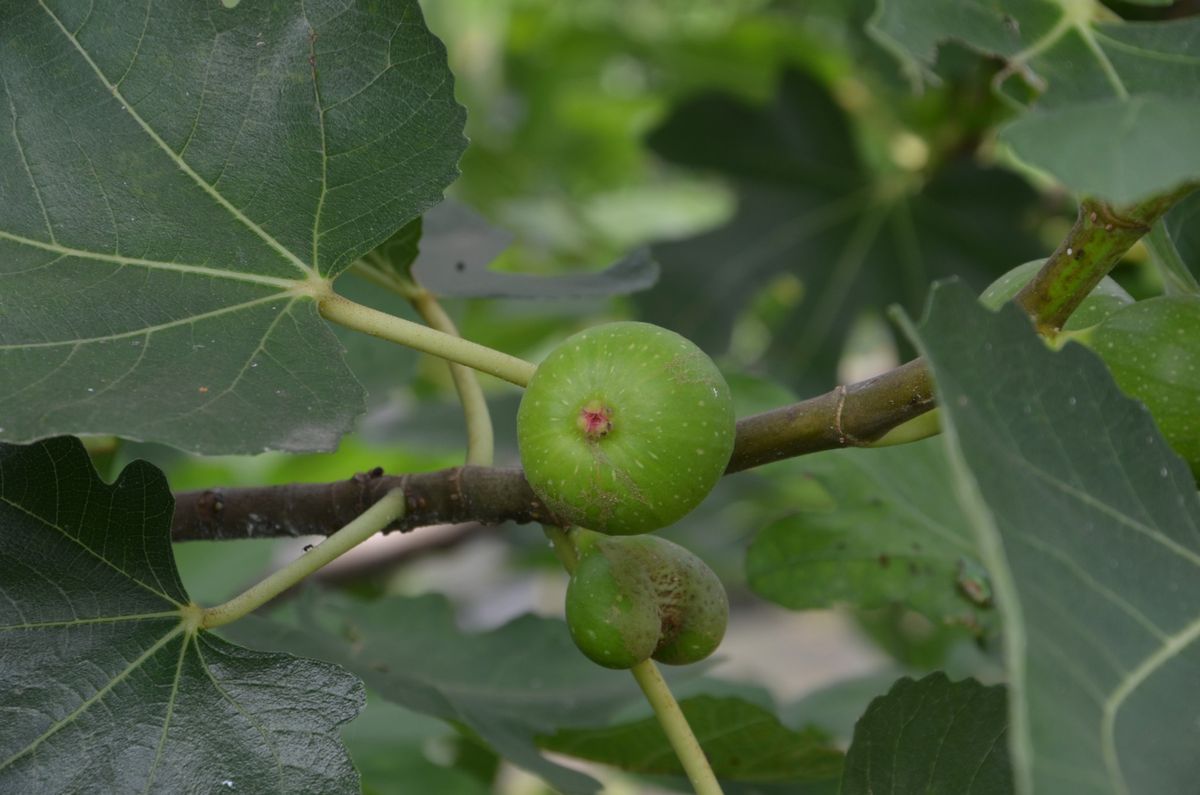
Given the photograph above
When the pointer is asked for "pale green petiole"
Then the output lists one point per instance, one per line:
(480, 436)
(387, 510)
(654, 687)
(345, 312)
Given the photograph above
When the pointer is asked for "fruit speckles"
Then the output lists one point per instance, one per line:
(625, 428)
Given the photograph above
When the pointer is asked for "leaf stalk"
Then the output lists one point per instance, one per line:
(338, 309)
(387, 510)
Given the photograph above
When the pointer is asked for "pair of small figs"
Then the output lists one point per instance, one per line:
(634, 598)
(624, 429)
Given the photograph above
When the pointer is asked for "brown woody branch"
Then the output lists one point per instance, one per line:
(489, 495)
(848, 416)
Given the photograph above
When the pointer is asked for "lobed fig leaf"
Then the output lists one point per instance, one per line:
(625, 428)
(631, 599)
(1152, 350)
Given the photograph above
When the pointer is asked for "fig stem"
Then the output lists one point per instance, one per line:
(674, 724)
(654, 687)
(387, 510)
(564, 546)
(481, 445)
(341, 310)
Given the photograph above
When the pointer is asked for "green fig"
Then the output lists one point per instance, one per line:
(635, 598)
(625, 428)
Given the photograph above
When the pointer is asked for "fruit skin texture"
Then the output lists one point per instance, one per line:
(635, 598)
(625, 428)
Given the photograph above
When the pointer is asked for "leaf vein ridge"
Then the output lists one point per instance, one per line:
(179, 162)
(95, 697)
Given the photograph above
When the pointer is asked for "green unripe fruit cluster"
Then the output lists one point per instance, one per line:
(625, 428)
(631, 599)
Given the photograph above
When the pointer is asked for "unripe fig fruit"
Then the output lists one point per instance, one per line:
(625, 428)
(635, 598)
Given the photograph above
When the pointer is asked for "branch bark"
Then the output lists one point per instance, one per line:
(488, 495)
(848, 416)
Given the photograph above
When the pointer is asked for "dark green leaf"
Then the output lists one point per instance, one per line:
(1116, 101)
(914, 29)
(1059, 47)
(811, 210)
(932, 736)
(1121, 149)
(1090, 528)
(743, 742)
(107, 686)
(508, 685)
(891, 533)
(1152, 349)
(176, 179)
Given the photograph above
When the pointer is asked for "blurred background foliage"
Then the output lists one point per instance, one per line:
(792, 185)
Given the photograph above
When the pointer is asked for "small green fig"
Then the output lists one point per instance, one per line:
(635, 598)
(625, 428)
